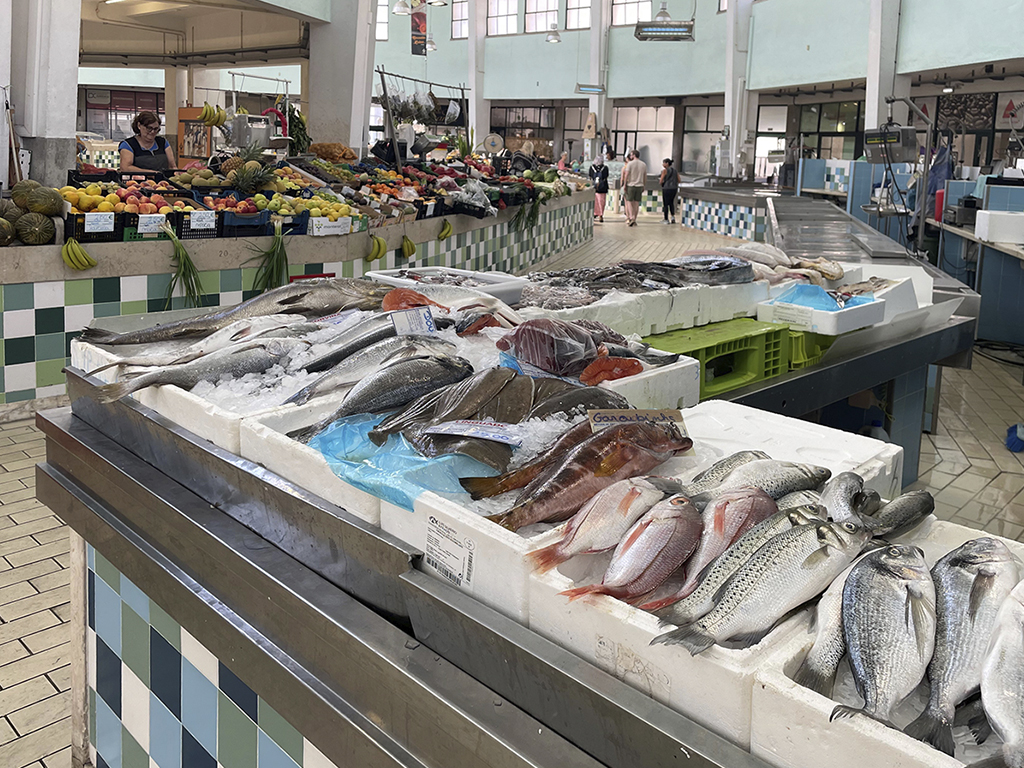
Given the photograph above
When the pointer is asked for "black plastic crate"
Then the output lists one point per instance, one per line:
(78, 178)
(230, 224)
(74, 226)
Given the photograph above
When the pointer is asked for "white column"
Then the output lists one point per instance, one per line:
(5, 79)
(341, 74)
(172, 100)
(883, 34)
(479, 107)
(600, 23)
(737, 97)
(44, 83)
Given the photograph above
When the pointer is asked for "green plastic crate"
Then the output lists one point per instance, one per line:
(732, 354)
(806, 348)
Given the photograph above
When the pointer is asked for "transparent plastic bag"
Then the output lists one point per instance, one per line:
(454, 110)
(555, 346)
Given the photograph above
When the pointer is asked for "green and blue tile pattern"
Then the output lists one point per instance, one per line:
(837, 175)
(740, 221)
(159, 699)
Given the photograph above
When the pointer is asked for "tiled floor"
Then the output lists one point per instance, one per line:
(975, 479)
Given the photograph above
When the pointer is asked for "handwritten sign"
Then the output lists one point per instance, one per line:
(99, 222)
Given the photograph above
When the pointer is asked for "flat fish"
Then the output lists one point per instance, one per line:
(548, 387)
(577, 400)
(419, 411)
(464, 399)
(512, 402)
(493, 454)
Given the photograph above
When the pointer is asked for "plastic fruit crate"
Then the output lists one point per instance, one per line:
(732, 354)
(230, 224)
(806, 348)
(74, 226)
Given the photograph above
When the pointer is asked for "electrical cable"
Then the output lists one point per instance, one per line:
(988, 349)
(904, 226)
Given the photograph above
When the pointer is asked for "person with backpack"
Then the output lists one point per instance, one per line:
(669, 189)
(599, 177)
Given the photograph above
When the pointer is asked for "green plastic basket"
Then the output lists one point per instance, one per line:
(806, 348)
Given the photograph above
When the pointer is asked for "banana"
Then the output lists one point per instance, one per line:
(376, 249)
(222, 116)
(205, 114)
(408, 247)
(66, 256)
(446, 230)
(241, 111)
(71, 257)
(82, 255)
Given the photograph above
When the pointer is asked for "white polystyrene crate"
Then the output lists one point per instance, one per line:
(621, 311)
(924, 284)
(88, 357)
(1000, 226)
(790, 726)
(899, 298)
(728, 302)
(667, 386)
(820, 321)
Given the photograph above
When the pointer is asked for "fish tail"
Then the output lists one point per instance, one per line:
(577, 592)
(299, 398)
(546, 558)
(657, 605)
(690, 637)
(841, 710)
(485, 487)
(100, 336)
(306, 434)
(504, 519)
(933, 728)
(108, 393)
(981, 728)
(810, 677)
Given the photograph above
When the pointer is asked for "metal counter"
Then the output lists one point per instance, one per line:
(326, 618)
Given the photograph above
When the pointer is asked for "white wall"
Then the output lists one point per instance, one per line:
(944, 33)
(113, 77)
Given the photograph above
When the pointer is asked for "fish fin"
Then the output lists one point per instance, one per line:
(814, 679)
(816, 557)
(668, 485)
(299, 398)
(610, 465)
(690, 637)
(658, 605)
(94, 371)
(99, 336)
(841, 710)
(306, 434)
(483, 487)
(982, 585)
(995, 761)
(634, 535)
(749, 639)
(546, 558)
(981, 728)
(920, 611)
(718, 520)
(108, 393)
(577, 592)
(931, 727)
(627, 501)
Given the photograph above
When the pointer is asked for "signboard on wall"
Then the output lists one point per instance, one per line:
(193, 136)
(419, 27)
(1010, 111)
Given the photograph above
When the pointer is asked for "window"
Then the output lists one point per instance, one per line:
(541, 15)
(626, 12)
(702, 127)
(832, 130)
(646, 129)
(460, 19)
(502, 17)
(382, 19)
(577, 14)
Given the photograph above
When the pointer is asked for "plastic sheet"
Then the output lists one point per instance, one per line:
(555, 346)
(816, 297)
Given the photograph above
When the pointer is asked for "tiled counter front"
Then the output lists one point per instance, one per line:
(733, 220)
(38, 320)
(159, 697)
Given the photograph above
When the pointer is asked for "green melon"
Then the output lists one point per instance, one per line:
(46, 201)
(12, 213)
(19, 192)
(6, 232)
(35, 229)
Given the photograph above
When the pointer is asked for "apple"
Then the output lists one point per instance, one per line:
(132, 200)
(131, 208)
(119, 207)
(147, 208)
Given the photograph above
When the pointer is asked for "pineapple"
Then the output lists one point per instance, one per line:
(253, 152)
(250, 179)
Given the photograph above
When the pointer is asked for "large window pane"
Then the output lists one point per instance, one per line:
(809, 118)
(666, 118)
(541, 15)
(577, 14)
(697, 152)
(383, 12)
(772, 119)
(573, 118)
(848, 117)
(696, 119)
(502, 17)
(460, 19)
(647, 119)
(716, 119)
(498, 117)
(625, 118)
(626, 12)
(829, 117)
(654, 147)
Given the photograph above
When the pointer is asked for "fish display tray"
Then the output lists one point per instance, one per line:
(667, 386)
(732, 354)
(790, 725)
(501, 285)
(820, 321)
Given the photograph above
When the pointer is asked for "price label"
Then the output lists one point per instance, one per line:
(365, 190)
(99, 222)
(600, 419)
(202, 220)
(495, 431)
(430, 209)
(414, 322)
(348, 191)
(448, 553)
(149, 223)
(396, 212)
(384, 198)
(800, 318)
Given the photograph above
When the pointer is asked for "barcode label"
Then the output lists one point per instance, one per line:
(444, 571)
(449, 553)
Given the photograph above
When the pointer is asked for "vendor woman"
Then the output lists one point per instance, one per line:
(146, 151)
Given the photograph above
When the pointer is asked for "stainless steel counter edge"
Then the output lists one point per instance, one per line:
(354, 684)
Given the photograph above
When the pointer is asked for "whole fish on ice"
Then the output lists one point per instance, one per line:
(776, 478)
(1002, 680)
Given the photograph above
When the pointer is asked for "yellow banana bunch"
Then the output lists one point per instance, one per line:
(213, 116)
(207, 113)
(446, 230)
(241, 111)
(378, 249)
(408, 247)
(75, 256)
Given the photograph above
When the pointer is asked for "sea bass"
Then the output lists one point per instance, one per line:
(838, 495)
(726, 518)
(713, 476)
(799, 499)
(249, 357)
(369, 330)
(309, 298)
(889, 628)
(1002, 680)
(971, 583)
(786, 572)
(614, 453)
(654, 547)
(776, 478)
(601, 522)
(902, 514)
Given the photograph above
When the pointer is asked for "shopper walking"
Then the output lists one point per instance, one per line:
(599, 177)
(634, 179)
(669, 189)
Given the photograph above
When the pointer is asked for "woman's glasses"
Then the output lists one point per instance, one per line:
(151, 127)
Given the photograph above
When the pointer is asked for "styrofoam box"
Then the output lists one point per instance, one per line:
(667, 386)
(264, 440)
(899, 298)
(820, 321)
(924, 284)
(1000, 226)
(501, 285)
(790, 724)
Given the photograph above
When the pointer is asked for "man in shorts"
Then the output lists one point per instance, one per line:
(634, 179)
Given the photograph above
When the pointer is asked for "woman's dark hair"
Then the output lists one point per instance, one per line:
(667, 160)
(611, 154)
(144, 118)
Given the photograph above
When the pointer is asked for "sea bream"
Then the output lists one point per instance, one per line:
(971, 583)
(308, 298)
(1002, 680)
(249, 357)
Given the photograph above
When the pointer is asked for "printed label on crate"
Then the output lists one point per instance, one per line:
(413, 322)
(149, 223)
(99, 222)
(202, 220)
(496, 431)
(430, 209)
(607, 417)
(801, 317)
(322, 226)
(365, 190)
(375, 204)
(449, 554)
(384, 198)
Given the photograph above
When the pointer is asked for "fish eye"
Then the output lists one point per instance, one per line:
(894, 552)
(850, 527)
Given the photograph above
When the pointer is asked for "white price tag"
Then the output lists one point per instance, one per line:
(485, 430)
(383, 198)
(149, 223)
(430, 209)
(202, 220)
(348, 191)
(322, 226)
(375, 205)
(365, 190)
(99, 222)
(396, 212)
(414, 322)
(449, 554)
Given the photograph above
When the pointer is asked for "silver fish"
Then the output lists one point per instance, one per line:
(240, 330)
(971, 583)
(368, 331)
(902, 514)
(889, 628)
(601, 522)
(717, 472)
(1002, 679)
(309, 298)
(838, 494)
(250, 357)
(776, 478)
(787, 571)
(654, 547)
(356, 366)
(799, 499)
(867, 502)
(701, 600)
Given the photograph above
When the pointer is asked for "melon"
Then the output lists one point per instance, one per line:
(35, 229)
(12, 212)
(6, 232)
(46, 201)
(19, 192)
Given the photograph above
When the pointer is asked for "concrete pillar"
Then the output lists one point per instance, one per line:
(883, 34)
(740, 152)
(304, 86)
(44, 83)
(341, 74)
(479, 107)
(172, 101)
(5, 78)
(600, 23)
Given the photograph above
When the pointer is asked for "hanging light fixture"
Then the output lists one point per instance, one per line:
(662, 14)
(438, 3)
(401, 8)
(431, 45)
(553, 36)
